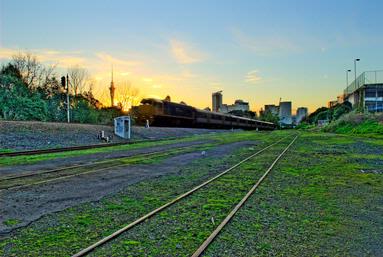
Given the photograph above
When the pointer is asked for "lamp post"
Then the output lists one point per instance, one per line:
(355, 60)
(347, 71)
(67, 98)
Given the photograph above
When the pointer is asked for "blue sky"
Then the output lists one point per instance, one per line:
(257, 51)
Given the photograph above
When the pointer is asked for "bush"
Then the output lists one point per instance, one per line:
(357, 123)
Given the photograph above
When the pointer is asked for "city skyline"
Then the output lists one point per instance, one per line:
(257, 51)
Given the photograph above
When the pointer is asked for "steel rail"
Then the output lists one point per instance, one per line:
(86, 172)
(213, 235)
(104, 240)
(31, 174)
(82, 147)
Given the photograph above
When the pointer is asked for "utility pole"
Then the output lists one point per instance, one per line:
(67, 98)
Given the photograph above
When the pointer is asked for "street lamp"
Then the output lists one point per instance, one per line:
(347, 71)
(356, 60)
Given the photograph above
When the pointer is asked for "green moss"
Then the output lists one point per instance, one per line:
(11, 222)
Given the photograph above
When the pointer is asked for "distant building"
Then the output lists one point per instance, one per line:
(239, 105)
(285, 113)
(272, 108)
(216, 101)
(301, 114)
(366, 91)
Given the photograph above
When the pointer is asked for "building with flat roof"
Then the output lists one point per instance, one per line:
(285, 113)
(239, 105)
(366, 91)
(272, 108)
(216, 101)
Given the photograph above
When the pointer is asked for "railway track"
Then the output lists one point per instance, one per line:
(82, 147)
(117, 233)
(87, 165)
(215, 233)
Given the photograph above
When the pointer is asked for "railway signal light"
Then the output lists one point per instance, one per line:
(63, 81)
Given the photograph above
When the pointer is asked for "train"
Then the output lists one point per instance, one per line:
(163, 113)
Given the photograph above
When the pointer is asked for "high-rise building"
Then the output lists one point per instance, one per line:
(285, 113)
(301, 114)
(272, 108)
(216, 101)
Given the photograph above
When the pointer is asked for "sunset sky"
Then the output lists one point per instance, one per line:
(257, 51)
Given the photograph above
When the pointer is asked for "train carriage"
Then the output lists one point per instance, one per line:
(169, 114)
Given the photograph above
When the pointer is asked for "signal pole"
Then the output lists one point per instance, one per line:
(67, 98)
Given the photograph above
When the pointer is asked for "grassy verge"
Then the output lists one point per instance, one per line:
(370, 125)
(66, 232)
(107, 165)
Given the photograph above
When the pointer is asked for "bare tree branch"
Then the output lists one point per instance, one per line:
(78, 77)
(127, 95)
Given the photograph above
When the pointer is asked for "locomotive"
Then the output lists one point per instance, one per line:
(169, 114)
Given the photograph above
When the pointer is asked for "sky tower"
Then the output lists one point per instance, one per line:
(112, 89)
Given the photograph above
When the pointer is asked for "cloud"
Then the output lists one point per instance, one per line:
(252, 77)
(107, 58)
(124, 74)
(62, 59)
(147, 79)
(156, 86)
(184, 53)
(264, 45)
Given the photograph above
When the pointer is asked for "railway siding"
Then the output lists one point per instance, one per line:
(83, 224)
(186, 224)
(317, 202)
(323, 198)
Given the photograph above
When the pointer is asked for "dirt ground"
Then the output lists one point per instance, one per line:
(89, 158)
(30, 203)
(28, 135)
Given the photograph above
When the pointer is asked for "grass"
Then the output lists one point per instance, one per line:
(312, 204)
(5, 150)
(77, 227)
(365, 124)
(11, 222)
(316, 202)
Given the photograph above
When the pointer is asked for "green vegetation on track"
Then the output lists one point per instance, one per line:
(323, 199)
(77, 227)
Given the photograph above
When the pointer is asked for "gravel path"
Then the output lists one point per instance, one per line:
(28, 135)
(31, 203)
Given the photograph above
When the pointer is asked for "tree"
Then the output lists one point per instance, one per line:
(128, 95)
(18, 102)
(78, 77)
(34, 74)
